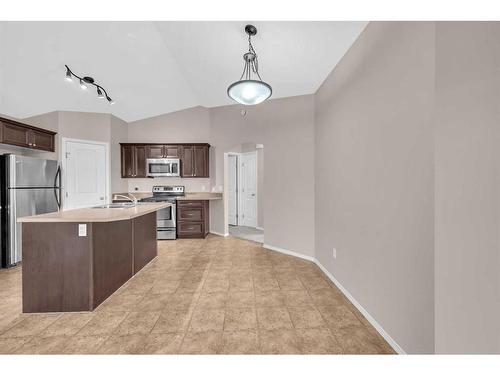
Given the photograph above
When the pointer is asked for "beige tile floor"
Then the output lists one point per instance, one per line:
(218, 295)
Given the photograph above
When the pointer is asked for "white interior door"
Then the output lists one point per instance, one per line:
(86, 174)
(233, 189)
(248, 190)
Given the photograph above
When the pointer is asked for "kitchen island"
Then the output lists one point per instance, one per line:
(73, 260)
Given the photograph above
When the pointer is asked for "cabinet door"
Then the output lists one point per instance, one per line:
(171, 151)
(140, 161)
(128, 164)
(41, 140)
(200, 161)
(187, 162)
(155, 151)
(15, 135)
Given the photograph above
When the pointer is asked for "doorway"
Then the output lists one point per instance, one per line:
(85, 171)
(243, 182)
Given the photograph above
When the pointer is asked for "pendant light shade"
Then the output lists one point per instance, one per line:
(250, 91)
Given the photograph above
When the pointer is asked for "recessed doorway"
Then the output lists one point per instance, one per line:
(244, 183)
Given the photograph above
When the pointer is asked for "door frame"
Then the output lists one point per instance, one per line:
(238, 178)
(63, 159)
(240, 201)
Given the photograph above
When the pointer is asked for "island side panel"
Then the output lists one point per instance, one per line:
(56, 268)
(145, 243)
(112, 257)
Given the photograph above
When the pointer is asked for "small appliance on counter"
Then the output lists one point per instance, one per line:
(166, 222)
(29, 186)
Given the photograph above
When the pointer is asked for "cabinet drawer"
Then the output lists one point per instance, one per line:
(190, 228)
(191, 214)
(189, 204)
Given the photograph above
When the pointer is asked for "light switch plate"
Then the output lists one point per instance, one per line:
(82, 230)
(334, 253)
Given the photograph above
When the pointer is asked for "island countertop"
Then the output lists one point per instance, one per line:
(95, 215)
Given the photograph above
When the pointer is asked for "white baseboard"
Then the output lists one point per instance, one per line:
(348, 295)
(288, 252)
(218, 234)
(362, 310)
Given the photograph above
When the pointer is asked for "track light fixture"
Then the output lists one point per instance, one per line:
(248, 90)
(85, 81)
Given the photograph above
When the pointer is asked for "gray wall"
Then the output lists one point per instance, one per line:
(118, 133)
(189, 125)
(286, 129)
(467, 187)
(374, 178)
(100, 127)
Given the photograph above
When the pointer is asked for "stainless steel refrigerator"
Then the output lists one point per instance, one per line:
(29, 186)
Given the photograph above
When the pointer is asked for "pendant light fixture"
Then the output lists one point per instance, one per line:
(85, 81)
(250, 91)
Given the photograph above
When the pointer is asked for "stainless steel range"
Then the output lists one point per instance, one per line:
(166, 218)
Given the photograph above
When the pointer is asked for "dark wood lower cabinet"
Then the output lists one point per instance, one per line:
(63, 271)
(193, 218)
(145, 240)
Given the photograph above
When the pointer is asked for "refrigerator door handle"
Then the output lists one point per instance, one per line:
(57, 179)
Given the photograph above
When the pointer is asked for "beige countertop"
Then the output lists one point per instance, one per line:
(89, 215)
(189, 196)
(201, 196)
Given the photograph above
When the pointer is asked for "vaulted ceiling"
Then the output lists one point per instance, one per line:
(151, 68)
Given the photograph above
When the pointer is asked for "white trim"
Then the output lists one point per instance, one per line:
(259, 228)
(344, 291)
(238, 171)
(288, 252)
(64, 161)
(218, 234)
(240, 204)
(362, 310)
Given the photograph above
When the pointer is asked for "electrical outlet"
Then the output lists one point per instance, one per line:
(334, 252)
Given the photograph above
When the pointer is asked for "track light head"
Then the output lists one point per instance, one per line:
(83, 85)
(111, 101)
(99, 93)
(69, 76)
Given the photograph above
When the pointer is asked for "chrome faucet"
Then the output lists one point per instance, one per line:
(133, 199)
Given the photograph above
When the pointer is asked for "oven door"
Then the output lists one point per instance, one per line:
(163, 167)
(166, 217)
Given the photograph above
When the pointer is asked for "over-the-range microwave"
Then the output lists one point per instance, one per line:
(166, 167)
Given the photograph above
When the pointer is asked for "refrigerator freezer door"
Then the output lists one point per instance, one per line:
(24, 171)
(26, 202)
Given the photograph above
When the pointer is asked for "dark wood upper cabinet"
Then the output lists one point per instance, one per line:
(41, 140)
(187, 161)
(128, 163)
(200, 161)
(18, 134)
(194, 158)
(171, 151)
(154, 151)
(15, 135)
(162, 151)
(133, 161)
(140, 161)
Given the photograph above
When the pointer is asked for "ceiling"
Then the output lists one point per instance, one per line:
(151, 68)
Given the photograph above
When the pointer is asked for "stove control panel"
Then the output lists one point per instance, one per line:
(168, 189)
